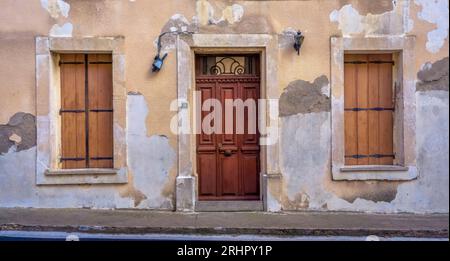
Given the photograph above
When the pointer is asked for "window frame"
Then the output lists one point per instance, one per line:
(404, 117)
(48, 168)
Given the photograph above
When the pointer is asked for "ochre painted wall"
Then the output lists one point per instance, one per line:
(307, 182)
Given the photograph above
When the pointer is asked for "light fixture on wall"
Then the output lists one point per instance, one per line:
(158, 61)
(298, 41)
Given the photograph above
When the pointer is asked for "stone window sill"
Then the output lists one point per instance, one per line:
(373, 168)
(93, 171)
(82, 176)
(370, 172)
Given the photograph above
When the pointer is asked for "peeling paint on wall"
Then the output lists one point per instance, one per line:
(178, 23)
(20, 131)
(434, 76)
(305, 97)
(206, 13)
(286, 38)
(305, 164)
(370, 6)
(61, 31)
(56, 8)
(131, 192)
(435, 12)
(305, 145)
(151, 160)
(303, 170)
(394, 22)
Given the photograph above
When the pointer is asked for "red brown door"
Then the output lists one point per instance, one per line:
(228, 162)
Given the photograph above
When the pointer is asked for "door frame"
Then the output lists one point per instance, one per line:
(187, 47)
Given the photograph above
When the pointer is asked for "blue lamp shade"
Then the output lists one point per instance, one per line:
(158, 63)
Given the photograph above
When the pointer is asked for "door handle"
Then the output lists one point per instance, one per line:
(226, 152)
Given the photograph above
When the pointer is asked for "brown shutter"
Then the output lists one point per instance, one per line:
(73, 121)
(100, 111)
(368, 109)
(86, 111)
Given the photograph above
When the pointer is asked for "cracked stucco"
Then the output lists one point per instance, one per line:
(433, 76)
(305, 97)
(20, 132)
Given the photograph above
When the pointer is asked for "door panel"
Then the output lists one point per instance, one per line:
(207, 173)
(229, 172)
(206, 149)
(250, 163)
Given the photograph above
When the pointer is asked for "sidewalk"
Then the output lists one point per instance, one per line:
(257, 223)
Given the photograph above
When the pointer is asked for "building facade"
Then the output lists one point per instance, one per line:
(122, 104)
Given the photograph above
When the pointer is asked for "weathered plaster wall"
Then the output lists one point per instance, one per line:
(303, 82)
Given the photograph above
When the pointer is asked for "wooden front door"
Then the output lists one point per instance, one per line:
(228, 164)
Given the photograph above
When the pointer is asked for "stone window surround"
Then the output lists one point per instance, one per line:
(405, 116)
(187, 46)
(48, 171)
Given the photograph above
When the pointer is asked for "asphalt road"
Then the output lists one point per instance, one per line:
(64, 236)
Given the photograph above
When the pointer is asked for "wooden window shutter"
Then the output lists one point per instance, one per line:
(86, 111)
(73, 114)
(369, 109)
(100, 111)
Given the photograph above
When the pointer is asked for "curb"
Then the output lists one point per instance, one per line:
(444, 233)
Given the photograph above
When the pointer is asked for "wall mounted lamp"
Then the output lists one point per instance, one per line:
(298, 41)
(158, 61)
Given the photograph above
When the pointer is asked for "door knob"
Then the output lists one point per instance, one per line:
(226, 152)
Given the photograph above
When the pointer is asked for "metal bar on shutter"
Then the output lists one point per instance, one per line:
(71, 159)
(374, 62)
(61, 62)
(71, 111)
(369, 109)
(383, 62)
(102, 158)
(86, 106)
(100, 62)
(377, 156)
(355, 62)
(101, 110)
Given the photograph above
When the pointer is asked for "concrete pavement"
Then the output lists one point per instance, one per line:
(300, 224)
(77, 236)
